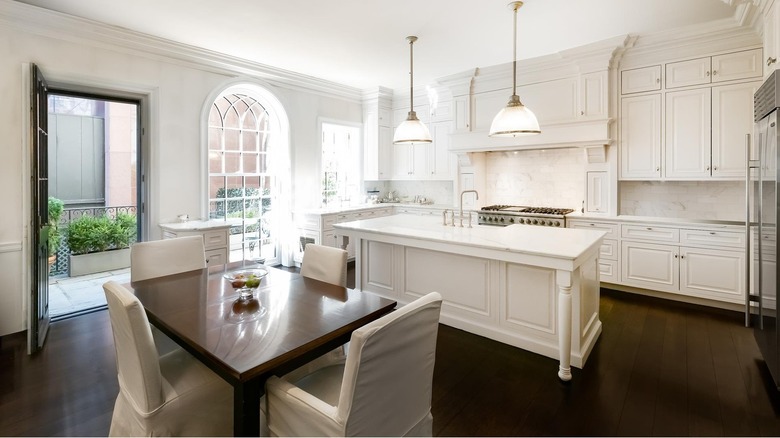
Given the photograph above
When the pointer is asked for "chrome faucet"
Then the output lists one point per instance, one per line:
(461, 204)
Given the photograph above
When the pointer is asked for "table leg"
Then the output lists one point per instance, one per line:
(246, 408)
(563, 281)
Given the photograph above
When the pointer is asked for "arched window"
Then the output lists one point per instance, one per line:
(245, 153)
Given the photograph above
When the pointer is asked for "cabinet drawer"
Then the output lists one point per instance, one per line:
(609, 250)
(169, 234)
(328, 221)
(732, 239)
(215, 239)
(216, 257)
(608, 271)
(690, 72)
(609, 228)
(651, 233)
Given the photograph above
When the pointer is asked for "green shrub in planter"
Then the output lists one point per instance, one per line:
(55, 212)
(88, 234)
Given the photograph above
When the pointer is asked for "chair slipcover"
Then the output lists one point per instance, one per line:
(382, 387)
(157, 258)
(325, 263)
(173, 395)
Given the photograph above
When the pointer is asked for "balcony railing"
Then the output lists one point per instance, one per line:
(68, 215)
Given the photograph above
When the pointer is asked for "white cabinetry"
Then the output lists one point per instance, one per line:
(703, 126)
(639, 80)
(771, 38)
(695, 262)
(377, 138)
(318, 228)
(425, 161)
(215, 237)
(598, 192)
(609, 252)
(640, 137)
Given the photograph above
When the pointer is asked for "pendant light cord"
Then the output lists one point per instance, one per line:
(514, 54)
(411, 73)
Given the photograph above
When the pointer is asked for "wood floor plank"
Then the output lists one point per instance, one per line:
(671, 410)
(703, 407)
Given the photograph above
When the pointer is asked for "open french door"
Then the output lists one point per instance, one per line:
(39, 229)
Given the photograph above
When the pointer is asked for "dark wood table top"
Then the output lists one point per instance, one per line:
(302, 318)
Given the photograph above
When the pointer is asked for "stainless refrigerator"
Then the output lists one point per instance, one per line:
(761, 222)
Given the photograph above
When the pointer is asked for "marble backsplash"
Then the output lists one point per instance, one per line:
(721, 200)
(540, 178)
(440, 192)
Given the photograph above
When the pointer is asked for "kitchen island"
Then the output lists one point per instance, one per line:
(536, 288)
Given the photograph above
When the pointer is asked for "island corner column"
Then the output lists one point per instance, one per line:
(563, 281)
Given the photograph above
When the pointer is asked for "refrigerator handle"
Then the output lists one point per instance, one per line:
(747, 229)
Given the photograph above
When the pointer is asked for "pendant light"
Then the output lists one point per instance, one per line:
(411, 130)
(516, 119)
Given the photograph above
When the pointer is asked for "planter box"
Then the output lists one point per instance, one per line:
(84, 264)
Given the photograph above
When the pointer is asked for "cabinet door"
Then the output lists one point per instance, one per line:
(640, 137)
(402, 161)
(690, 72)
(598, 192)
(714, 274)
(738, 65)
(771, 45)
(461, 108)
(640, 79)
(385, 156)
(650, 266)
(688, 134)
(419, 164)
(440, 159)
(593, 95)
(732, 118)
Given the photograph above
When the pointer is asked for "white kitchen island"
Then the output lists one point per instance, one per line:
(533, 287)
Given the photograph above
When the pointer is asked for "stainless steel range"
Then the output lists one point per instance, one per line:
(503, 215)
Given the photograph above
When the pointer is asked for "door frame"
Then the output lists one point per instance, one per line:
(148, 99)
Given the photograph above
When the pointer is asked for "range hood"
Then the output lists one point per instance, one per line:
(562, 135)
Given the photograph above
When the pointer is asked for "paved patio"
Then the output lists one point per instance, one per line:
(69, 295)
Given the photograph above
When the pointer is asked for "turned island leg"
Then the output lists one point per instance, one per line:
(563, 281)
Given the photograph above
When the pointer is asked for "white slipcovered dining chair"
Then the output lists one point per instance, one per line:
(170, 395)
(382, 387)
(157, 258)
(325, 263)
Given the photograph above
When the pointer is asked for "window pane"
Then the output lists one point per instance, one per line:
(249, 141)
(250, 163)
(231, 139)
(235, 186)
(232, 162)
(215, 139)
(231, 119)
(215, 161)
(216, 187)
(216, 209)
(250, 121)
(215, 118)
(262, 141)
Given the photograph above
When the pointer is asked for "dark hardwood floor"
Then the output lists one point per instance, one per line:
(659, 368)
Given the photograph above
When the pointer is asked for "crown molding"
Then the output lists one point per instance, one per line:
(26, 18)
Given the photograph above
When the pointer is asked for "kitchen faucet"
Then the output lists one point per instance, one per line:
(461, 206)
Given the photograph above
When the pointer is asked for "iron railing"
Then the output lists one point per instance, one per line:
(69, 214)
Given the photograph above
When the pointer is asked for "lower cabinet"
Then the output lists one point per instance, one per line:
(699, 272)
(318, 227)
(214, 233)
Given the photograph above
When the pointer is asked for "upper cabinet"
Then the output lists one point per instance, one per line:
(771, 39)
(721, 68)
(692, 128)
(425, 161)
(377, 136)
(640, 79)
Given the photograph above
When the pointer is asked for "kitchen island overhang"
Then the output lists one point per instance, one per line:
(536, 288)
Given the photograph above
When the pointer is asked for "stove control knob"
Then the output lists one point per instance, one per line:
(511, 220)
(549, 222)
(520, 221)
(557, 224)
(534, 222)
(501, 220)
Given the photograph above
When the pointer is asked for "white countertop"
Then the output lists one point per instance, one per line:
(658, 220)
(534, 240)
(195, 225)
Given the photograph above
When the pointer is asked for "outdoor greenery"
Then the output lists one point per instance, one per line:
(55, 212)
(88, 234)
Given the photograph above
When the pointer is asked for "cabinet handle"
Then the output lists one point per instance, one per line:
(657, 80)
(708, 167)
(582, 113)
(771, 60)
(708, 73)
(649, 229)
(658, 169)
(675, 256)
(714, 72)
(715, 168)
(712, 233)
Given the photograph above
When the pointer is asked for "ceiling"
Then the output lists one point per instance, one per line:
(361, 43)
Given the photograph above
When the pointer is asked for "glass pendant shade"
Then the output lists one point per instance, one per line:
(412, 131)
(514, 120)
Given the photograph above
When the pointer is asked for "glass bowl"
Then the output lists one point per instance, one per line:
(245, 281)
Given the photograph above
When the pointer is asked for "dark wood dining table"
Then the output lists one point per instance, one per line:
(290, 321)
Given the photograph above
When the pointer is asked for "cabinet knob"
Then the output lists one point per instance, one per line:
(649, 229)
(771, 60)
(582, 113)
(708, 73)
(675, 256)
(657, 80)
(708, 167)
(714, 72)
(715, 168)
(658, 169)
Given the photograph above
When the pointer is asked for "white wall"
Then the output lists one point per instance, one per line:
(718, 200)
(177, 91)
